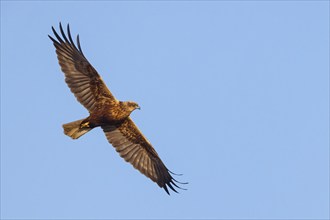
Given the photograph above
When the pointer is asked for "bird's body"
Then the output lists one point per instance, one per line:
(107, 112)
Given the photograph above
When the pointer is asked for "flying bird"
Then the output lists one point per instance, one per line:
(105, 111)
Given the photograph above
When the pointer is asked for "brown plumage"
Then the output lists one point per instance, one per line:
(107, 112)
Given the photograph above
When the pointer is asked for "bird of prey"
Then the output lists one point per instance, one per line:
(105, 111)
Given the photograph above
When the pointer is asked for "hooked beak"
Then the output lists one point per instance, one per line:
(138, 107)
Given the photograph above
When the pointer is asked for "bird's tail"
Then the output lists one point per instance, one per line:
(74, 129)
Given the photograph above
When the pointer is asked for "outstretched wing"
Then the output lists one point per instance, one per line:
(130, 143)
(83, 80)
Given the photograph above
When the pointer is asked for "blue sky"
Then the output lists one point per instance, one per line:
(234, 95)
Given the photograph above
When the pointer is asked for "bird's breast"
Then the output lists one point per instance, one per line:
(108, 114)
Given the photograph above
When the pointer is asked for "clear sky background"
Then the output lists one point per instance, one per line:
(234, 95)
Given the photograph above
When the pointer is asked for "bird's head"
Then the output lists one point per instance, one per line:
(130, 106)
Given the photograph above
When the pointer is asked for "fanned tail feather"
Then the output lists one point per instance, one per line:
(73, 129)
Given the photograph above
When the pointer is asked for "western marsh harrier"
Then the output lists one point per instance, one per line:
(107, 112)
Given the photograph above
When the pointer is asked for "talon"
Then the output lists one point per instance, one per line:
(85, 125)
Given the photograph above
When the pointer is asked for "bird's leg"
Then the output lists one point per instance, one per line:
(84, 124)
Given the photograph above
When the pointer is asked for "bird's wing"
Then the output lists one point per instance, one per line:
(83, 80)
(130, 143)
